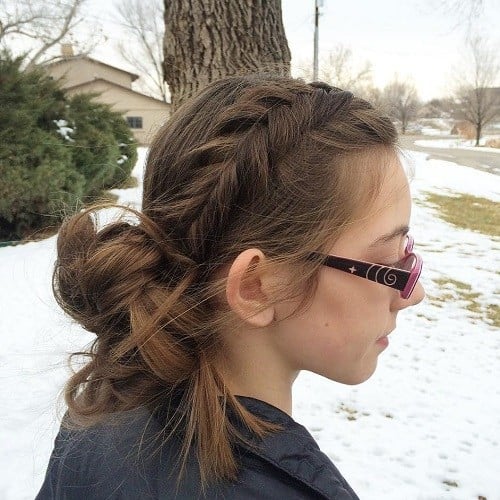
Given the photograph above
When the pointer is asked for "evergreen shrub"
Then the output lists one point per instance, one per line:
(56, 152)
(37, 178)
(103, 149)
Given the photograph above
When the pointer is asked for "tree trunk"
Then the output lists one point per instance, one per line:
(478, 133)
(209, 39)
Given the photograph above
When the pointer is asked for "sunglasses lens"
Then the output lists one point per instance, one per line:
(409, 244)
(408, 263)
(414, 266)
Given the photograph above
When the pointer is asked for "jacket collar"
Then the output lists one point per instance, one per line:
(294, 451)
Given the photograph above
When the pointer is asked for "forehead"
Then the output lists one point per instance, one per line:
(378, 176)
(394, 188)
(387, 207)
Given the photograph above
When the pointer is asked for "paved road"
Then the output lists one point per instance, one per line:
(482, 160)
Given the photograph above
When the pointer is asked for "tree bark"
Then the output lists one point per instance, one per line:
(478, 133)
(208, 39)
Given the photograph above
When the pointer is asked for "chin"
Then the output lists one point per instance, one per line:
(354, 378)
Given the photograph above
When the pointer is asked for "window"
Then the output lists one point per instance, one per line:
(134, 121)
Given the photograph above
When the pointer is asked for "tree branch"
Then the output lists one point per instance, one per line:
(144, 23)
(42, 24)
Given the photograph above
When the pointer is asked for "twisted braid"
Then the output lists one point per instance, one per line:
(237, 164)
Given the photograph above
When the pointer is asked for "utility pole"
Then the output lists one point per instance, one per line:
(317, 5)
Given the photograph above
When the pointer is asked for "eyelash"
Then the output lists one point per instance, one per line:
(391, 264)
(388, 264)
(394, 263)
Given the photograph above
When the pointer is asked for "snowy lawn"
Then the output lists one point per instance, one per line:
(458, 143)
(426, 426)
(433, 131)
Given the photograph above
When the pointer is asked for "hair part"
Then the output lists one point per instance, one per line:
(255, 161)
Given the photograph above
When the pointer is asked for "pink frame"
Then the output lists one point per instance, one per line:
(402, 278)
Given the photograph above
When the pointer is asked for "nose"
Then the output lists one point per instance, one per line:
(416, 297)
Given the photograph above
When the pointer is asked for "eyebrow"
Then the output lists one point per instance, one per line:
(386, 238)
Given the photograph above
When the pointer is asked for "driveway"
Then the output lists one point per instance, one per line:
(477, 158)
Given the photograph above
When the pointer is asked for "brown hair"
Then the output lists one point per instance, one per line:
(252, 161)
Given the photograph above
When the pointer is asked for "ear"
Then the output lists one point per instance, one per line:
(246, 288)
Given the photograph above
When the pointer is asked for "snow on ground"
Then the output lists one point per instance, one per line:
(426, 426)
(458, 143)
(433, 131)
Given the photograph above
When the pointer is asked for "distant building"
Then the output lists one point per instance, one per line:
(83, 74)
(493, 95)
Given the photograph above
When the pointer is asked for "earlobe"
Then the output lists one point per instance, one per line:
(246, 289)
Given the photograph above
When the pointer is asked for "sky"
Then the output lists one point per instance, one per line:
(413, 39)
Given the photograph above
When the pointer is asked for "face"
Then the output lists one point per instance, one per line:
(345, 328)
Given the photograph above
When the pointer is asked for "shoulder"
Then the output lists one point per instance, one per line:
(127, 457)
(290, 462)
(105, 460)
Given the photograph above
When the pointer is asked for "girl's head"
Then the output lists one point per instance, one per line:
(241, 186)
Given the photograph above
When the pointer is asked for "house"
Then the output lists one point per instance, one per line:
(83, 74)
(493, 96)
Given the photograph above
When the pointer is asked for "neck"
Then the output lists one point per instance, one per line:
(280, 398)
(252, 365)
(264, 379)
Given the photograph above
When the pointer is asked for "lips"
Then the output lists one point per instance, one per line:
(383, 341)
(392, 328)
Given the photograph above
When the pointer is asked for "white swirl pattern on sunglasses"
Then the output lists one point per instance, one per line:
(388, 278)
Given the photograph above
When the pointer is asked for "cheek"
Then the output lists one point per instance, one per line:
(349, 302)
(314, 332)
(336, 335)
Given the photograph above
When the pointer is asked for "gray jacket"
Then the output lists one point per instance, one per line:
(128, 460)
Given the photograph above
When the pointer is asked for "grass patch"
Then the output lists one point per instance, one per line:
(130, 182)
(493, 314)
(106, 197)
(350, 412)
(467, 211)
(460, 285)
(455, 290)
(423, 316)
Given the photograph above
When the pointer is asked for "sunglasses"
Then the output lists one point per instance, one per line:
(402, 277)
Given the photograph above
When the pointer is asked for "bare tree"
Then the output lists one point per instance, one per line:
(401, 101)
(443, 108)
(208, 39)
(465, 12)
(375, 96)
(39, 26)
(476, 101)
(337, 68)
(143, 21)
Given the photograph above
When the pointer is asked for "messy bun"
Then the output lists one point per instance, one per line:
(251, 162)
(120, 282)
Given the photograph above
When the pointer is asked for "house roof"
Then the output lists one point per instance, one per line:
(493, 90)
(121, 87)
(80, 57)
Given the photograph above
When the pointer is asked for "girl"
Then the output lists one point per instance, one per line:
(273, 238)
